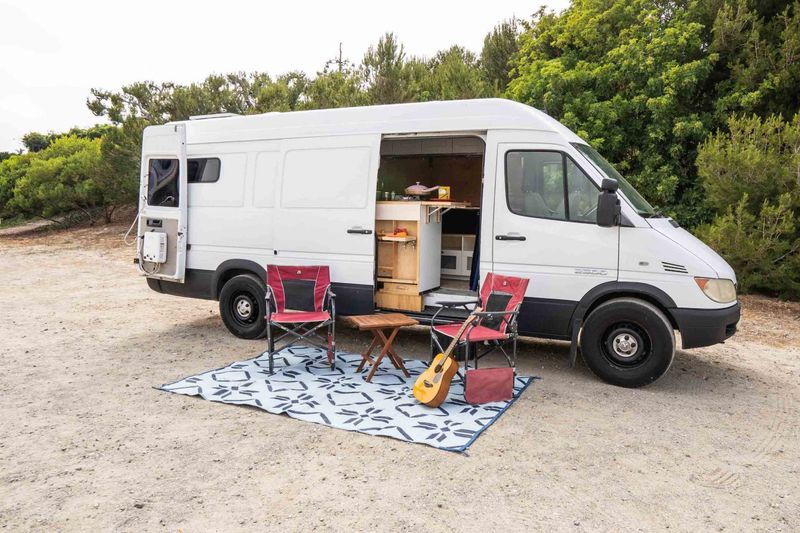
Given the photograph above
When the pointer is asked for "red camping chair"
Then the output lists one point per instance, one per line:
(500, 298)
(299, 302)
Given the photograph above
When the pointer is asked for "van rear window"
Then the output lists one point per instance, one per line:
(162, 182)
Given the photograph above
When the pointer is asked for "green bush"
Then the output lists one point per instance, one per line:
(751, 175)
(762, 247)
(71, 173)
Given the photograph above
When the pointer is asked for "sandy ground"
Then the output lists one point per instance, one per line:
(88, 443)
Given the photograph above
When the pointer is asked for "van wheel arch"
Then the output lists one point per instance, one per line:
(234, 267)
(616, 289)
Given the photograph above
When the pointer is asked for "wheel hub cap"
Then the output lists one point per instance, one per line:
(625, 345)
(243, 308)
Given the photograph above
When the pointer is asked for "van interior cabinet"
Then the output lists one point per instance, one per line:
(408, 265)
(457, 251)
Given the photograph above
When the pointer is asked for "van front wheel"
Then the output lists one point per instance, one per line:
(628, 342)
(242, 306)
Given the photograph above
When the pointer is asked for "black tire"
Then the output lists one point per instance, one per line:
(628, 342)
(242, 306)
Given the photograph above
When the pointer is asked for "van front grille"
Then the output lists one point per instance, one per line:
(673, 267)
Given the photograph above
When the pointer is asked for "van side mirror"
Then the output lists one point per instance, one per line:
(609, 184)
(608, 206)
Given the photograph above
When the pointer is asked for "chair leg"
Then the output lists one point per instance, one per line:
(514, 355)
(332, 344)
(270, 346)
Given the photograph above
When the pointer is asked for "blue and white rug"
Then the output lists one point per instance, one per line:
(304, 387)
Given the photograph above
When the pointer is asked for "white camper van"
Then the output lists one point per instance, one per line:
(224, 195)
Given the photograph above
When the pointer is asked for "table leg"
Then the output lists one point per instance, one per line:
(387, 345)
(396, 359)
(366, 354)
(390, 350)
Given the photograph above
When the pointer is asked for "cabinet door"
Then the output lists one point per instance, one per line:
(451, 262)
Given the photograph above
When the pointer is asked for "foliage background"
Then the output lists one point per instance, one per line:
(695, 101)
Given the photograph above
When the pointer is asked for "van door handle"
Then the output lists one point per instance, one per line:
(510, 237)
(360, 231)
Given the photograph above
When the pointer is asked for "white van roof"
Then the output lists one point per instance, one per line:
(425, 117)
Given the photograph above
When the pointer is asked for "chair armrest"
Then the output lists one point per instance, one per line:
(461, 303)
(331, 297)
(268, 303)
(449, 305)
(509, 317)
(493, 313)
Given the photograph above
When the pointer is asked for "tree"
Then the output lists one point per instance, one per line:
(755, 166)
(761, 245)
(758, 44)
(455, 74)
(340, 84)
(286, 93)
(386, 73)
(11, 170)
(630, 78)
(60, 178)
(499, 47)
(35, 141)
(753, 157)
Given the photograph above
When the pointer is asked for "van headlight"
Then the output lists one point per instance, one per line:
(720, 290)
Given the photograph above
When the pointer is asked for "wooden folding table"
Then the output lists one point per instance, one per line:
(377, 324)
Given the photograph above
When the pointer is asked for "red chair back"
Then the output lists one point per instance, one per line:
(501, 293)
(298, 288)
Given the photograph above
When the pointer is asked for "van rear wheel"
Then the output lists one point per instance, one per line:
(628, 342)
(242, 306)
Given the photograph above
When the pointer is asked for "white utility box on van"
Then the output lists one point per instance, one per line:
(154, 248)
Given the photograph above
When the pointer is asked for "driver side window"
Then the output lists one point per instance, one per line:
(548, 184)
(535, 184)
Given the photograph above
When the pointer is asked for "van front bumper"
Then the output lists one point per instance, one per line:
(704, 327)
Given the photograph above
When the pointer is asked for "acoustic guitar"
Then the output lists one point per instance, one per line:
(433, 385)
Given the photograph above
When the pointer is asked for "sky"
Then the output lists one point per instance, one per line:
(53, 52)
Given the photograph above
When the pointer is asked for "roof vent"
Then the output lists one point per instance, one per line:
(214, 115)
(672, 267)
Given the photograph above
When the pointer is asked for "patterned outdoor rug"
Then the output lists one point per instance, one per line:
(305, 387)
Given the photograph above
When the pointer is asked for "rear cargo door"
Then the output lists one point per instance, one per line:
(327, 207)
(164, 198)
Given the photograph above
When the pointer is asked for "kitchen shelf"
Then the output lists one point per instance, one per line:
(397, 280)
(390, 238)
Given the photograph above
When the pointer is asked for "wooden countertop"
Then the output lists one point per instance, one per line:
(426, 202)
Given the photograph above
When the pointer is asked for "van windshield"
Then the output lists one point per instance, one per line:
(637, 200)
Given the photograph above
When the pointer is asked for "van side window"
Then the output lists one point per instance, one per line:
(203, 170)
(581, 195)
(162, 182)
(548, 184)
(535, 184)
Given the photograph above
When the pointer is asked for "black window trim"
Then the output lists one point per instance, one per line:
(564, 157)
(189, 159)
(151, 158)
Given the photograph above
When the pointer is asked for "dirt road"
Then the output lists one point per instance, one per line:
(88, 443)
